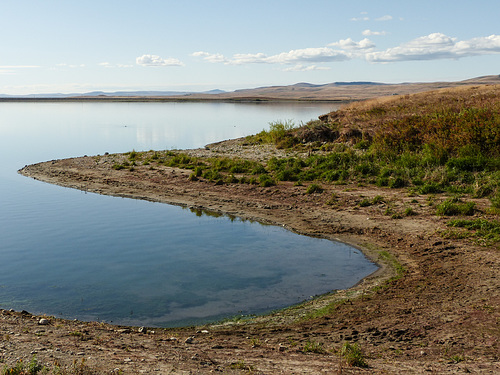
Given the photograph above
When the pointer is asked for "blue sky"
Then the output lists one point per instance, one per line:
(79, 46)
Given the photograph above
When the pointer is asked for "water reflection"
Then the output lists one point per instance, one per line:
(95, 257)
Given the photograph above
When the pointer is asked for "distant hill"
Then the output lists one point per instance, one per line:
(333, 92)
(116, 94)
(344, 91)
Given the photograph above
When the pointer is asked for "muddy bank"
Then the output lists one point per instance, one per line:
(440, 315)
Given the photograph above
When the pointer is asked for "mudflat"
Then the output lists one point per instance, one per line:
(433, 307)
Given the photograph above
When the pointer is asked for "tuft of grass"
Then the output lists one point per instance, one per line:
(455, 207)
(352, 355)
(241, 365)
(30, 368)
(265, 180)
(313, 347)
(314, 188)
(484, 232)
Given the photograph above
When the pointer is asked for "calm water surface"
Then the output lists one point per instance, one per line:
(92, 257)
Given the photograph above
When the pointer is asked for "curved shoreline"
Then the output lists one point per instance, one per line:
(436, 296)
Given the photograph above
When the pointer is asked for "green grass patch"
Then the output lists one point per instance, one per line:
(352, 355)
(484, 232)
(313, 347)
(455, 207)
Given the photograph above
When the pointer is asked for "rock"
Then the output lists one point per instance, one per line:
(124, 330)
(189, 340)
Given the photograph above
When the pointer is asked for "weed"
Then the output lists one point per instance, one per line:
(409, 211)
(352, 355)
(334, 199)
(32, 368)
(313, 347)
(314, 188)
(457, 358)
(365, 203)
(265, 180)
(241, 365)
(485, 232)
(255, 343)
(454, 207)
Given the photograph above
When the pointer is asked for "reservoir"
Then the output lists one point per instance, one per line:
(85, 256)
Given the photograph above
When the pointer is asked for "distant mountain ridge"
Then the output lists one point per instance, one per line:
(302, 91)
(116, 94)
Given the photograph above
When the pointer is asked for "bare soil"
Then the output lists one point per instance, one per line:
(441, 317)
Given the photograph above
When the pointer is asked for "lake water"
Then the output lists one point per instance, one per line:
(75, 255)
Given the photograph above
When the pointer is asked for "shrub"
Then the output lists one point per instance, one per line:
(352, 355)
(430, 188)
(265, 180)
(454, 207)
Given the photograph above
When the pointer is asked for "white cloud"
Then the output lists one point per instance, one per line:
(384, 18)
(356, 19)
(109, 65)
(369, 32)
(349, 44)
(305, 55)
(72, 66)
(437, 46)
(210, 57)
(311, 55)
(305, 68)
(248, 58)
(154, 60)
(430, 47)
(18, 66)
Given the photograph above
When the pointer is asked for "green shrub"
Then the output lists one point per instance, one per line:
(454, 207)
(486, 232)
(265, 180)
(430, 188)
(314, 188)
(313, 347)
(365, 203)
(397, 183)
(352, 355)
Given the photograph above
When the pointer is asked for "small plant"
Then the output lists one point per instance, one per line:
(457, 358)
(333, 200)
(314, 188)
(454, 207)
(255, 343)
(365, 203)
(32, 368)
(352, 355)
(313, 347)
(485, 232)
(409, 211)
(265, 180)
(241, 365)
(118, 167)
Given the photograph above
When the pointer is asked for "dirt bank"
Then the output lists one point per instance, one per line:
(440, 316)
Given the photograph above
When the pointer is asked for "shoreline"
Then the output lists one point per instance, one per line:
(423, 306)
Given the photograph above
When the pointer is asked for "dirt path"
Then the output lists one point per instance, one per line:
(442, 316)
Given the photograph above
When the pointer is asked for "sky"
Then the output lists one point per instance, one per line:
(66, 46)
